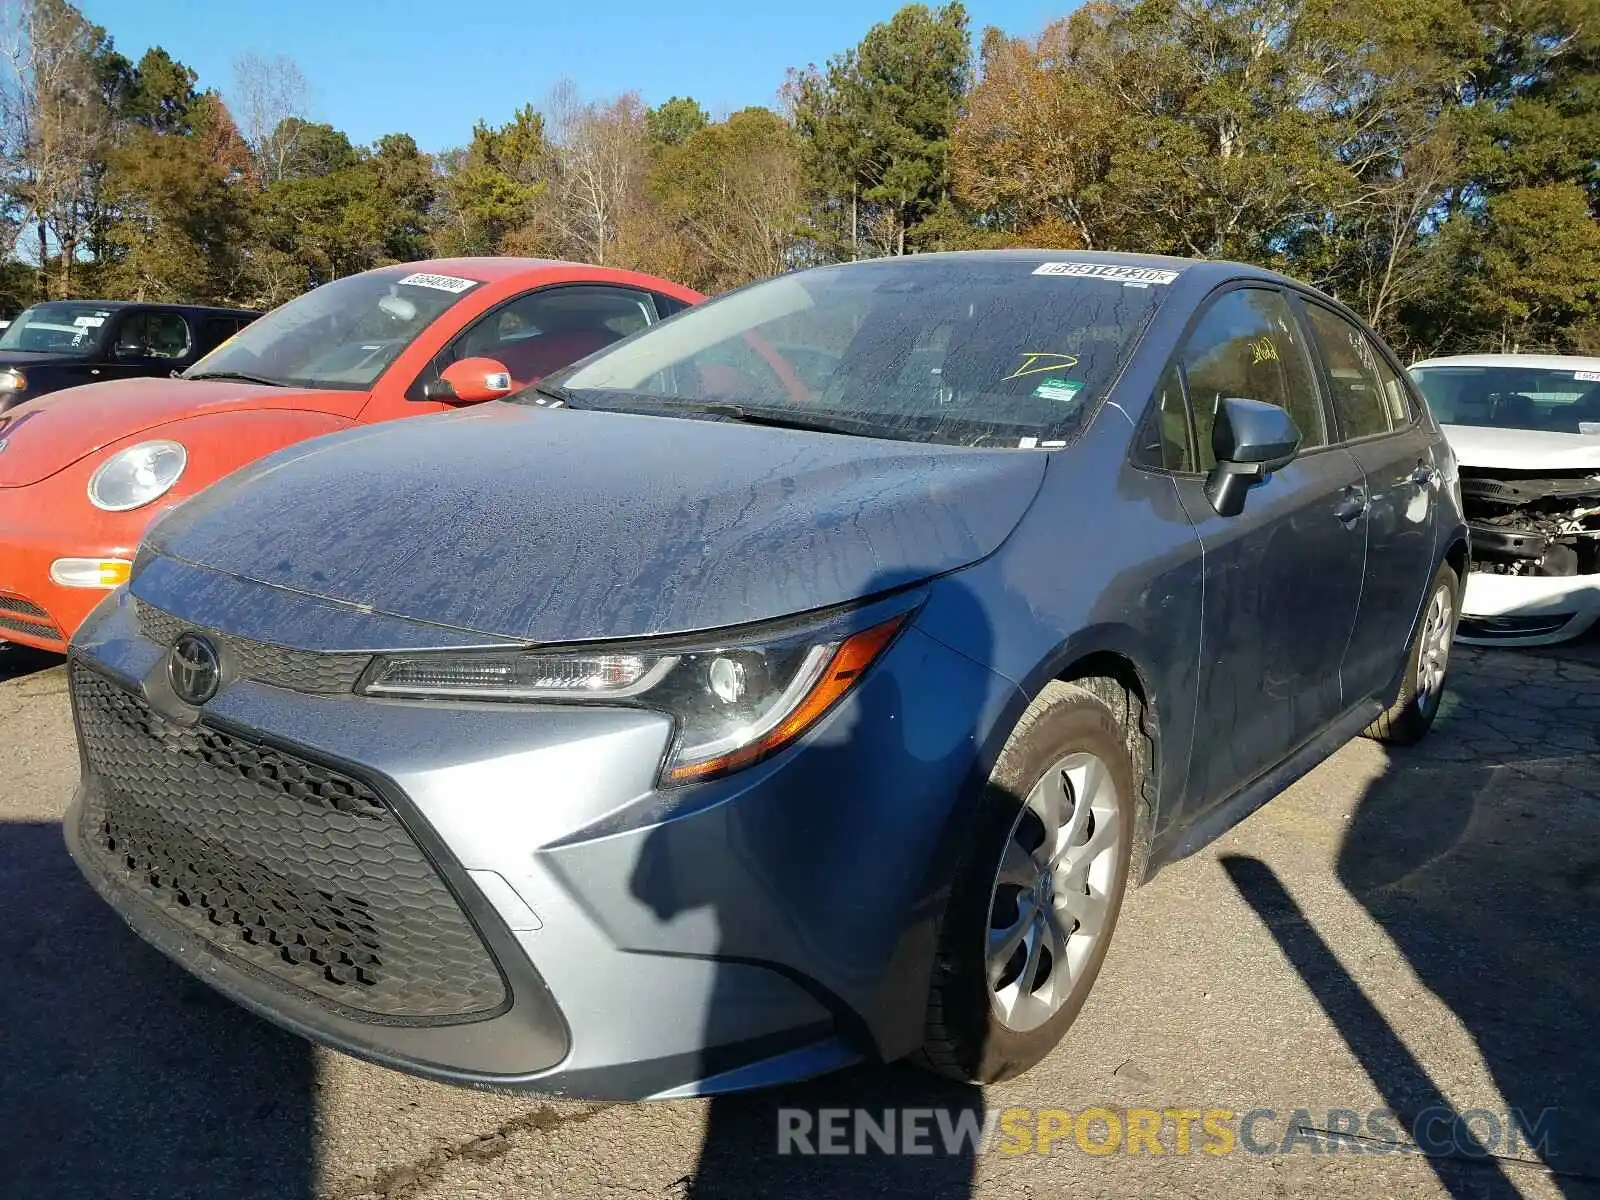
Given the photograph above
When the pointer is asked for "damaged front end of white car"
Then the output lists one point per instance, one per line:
(1526, 431)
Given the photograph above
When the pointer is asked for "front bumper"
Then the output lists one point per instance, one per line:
(35, 610)
(1528, 610)
(742, 933)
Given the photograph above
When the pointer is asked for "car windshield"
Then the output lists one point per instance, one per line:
(987, 352)
(1514, 397)
(57, 328)
(342, 335)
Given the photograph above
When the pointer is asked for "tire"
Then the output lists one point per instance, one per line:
(982, 1032)
(1421, 692)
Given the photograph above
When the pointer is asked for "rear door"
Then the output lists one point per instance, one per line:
(1380, 424)
(1283, 577)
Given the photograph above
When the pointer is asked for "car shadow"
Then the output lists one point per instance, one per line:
(17, 662)
(1478, 852)
(119, 1074)
(799, 857)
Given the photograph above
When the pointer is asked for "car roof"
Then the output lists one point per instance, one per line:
(1203, 269)
(487, 269)
(119, 305)
(1537, 362)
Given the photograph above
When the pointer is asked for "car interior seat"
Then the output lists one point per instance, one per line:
(531, 359)
(1515, 410)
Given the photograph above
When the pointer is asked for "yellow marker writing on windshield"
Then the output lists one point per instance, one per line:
(1040, 362)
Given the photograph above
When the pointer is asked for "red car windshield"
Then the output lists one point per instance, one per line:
(343, 335)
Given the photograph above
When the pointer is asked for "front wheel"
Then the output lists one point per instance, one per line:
(1032, 908)
(1412, 714)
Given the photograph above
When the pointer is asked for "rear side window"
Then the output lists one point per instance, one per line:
(1353, 374)
(214, 331)
(667, 305)
(1248, 346)
(1395, 397)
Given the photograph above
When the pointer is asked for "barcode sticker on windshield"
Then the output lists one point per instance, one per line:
(444, 283)
(1107, 271)
(1587, 376)
(89, 322)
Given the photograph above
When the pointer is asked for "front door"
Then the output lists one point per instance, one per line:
(1283, 577)
(149, 341)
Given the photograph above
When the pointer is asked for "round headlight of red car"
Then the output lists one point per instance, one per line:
(137, 475)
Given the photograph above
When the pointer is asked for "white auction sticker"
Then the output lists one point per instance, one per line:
(444, 283)
(1587, 376)
(1107, 271)
(89, 322)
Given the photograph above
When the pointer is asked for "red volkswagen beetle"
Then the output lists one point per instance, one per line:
(84, 471)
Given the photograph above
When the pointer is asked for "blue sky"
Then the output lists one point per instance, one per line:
(432, 69)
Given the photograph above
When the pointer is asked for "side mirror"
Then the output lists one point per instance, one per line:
(470, 381)
(1250, 440)
(129, 350)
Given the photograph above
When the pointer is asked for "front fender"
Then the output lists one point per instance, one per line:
(224, 442)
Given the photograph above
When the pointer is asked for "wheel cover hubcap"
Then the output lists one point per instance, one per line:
(1433, 652)
(1052, 893)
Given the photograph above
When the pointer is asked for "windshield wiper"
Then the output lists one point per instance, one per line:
(556, 392)
(240, 376)
(747, 414)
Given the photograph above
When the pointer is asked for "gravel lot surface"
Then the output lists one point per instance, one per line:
(1397, 931)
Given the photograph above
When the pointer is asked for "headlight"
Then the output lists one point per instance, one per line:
(137, 475)
(733, 702)
(13, 380)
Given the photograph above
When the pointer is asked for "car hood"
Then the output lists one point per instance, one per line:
(41, 358)
(566, 525)
(53, 431)
(1523, 449)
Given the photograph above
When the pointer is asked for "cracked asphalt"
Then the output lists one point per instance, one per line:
(1402, 930)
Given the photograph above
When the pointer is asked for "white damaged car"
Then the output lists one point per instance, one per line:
(1525, 429)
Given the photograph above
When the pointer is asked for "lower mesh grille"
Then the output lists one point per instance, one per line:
(27, 608)
(11, 624)
(299, 871)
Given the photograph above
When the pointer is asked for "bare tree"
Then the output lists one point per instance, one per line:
(58, 127)
(600, 167)
(270, 99)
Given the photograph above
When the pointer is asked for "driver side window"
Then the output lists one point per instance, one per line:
(153, 335)
(543, 331)
(1248, 345)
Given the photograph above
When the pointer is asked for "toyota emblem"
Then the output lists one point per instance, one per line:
(193, 669)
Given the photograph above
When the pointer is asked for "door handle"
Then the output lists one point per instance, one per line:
(1351, 507)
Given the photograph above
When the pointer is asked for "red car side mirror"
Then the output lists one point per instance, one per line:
(472, 381)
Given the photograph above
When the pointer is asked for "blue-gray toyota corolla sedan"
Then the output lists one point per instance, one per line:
(801, 680)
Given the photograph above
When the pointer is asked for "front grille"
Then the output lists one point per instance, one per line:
(297, 670)
(297, 870)
(26, 608)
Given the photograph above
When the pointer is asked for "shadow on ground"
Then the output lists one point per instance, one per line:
(1479, 854)
(119, 1075)
(16, 662)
